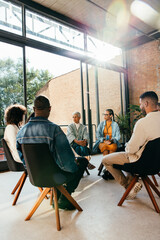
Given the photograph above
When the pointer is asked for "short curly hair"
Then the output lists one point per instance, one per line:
(14, 114)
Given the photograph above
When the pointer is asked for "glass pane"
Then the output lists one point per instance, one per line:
(58, 78)
(11, 81)
(103, 51)
(109, 94)
(11, 77)
(10, 17)
(44, 29)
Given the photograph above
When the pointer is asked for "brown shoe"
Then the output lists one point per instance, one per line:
(90, 166)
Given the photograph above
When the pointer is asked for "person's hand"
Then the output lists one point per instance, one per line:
(85, 142)
(108, 142)
(82, 143)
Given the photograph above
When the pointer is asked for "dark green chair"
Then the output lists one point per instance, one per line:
(44, 172)
(15, 167)
(148, 164)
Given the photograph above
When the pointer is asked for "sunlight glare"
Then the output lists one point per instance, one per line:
(146, 13)
(106, 52)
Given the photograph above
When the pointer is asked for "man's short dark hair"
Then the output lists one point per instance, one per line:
(150, 94)
(41, 103)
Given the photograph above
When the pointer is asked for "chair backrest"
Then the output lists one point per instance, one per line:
(41, 166)
(149, 162)
(12, 164)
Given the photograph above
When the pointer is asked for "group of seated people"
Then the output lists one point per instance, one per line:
(71, 152)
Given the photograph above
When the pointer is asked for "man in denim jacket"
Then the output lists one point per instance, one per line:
(40, 130)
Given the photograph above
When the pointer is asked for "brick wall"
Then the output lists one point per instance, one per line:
(143, 70)
(64, 93)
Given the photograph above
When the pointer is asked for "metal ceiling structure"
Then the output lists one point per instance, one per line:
(108, 20)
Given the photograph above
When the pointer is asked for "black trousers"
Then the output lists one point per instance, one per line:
(73, 179)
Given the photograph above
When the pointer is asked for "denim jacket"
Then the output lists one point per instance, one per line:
(41, 130)
(100, 137)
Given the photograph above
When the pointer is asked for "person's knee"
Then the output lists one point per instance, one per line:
(84, 151)
(113, 147)
(78, 150)
(105, 160)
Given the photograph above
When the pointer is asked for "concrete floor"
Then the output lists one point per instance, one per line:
(101, 217)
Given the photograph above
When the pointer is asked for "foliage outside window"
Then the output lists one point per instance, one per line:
(11, 84)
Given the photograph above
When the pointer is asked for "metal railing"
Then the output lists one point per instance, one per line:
(94, 128)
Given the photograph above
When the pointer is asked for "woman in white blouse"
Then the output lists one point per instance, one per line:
(14, 116)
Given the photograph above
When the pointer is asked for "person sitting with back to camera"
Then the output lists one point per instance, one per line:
(108, 134)
(77, 136)
(14, 118)
(40, 130)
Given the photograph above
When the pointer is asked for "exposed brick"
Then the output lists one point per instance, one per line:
(143, 70)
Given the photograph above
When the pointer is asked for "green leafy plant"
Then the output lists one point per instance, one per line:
(124, 125)
(127, 121)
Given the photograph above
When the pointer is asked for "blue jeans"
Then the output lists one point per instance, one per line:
(80, 150)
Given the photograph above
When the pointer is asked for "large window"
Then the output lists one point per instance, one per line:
(58, 78)
(10, 17)
(104, 93)
(46, 30)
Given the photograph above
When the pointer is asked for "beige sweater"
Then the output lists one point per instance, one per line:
(10, 134)
(146, 129)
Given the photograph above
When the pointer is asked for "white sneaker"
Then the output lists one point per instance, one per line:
(137, 187)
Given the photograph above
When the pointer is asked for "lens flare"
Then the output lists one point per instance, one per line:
(146, 13)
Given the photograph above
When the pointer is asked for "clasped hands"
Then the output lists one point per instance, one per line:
(108, 142)
(82, 143)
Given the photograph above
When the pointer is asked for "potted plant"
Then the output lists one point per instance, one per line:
(127, 121)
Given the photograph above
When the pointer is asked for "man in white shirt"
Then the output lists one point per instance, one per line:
(146, 129)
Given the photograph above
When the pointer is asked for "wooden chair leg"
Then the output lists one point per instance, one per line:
(56, 209)
(150, 194)
(87, 171)
(38, 202)
(152, 186)
(41, 190)
(69, 197)
(17, 185)
(51, 196)
(100, 169)
(154, 180)
(135, 179)
(23, 179)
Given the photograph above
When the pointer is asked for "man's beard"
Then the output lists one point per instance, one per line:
(143, 112)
